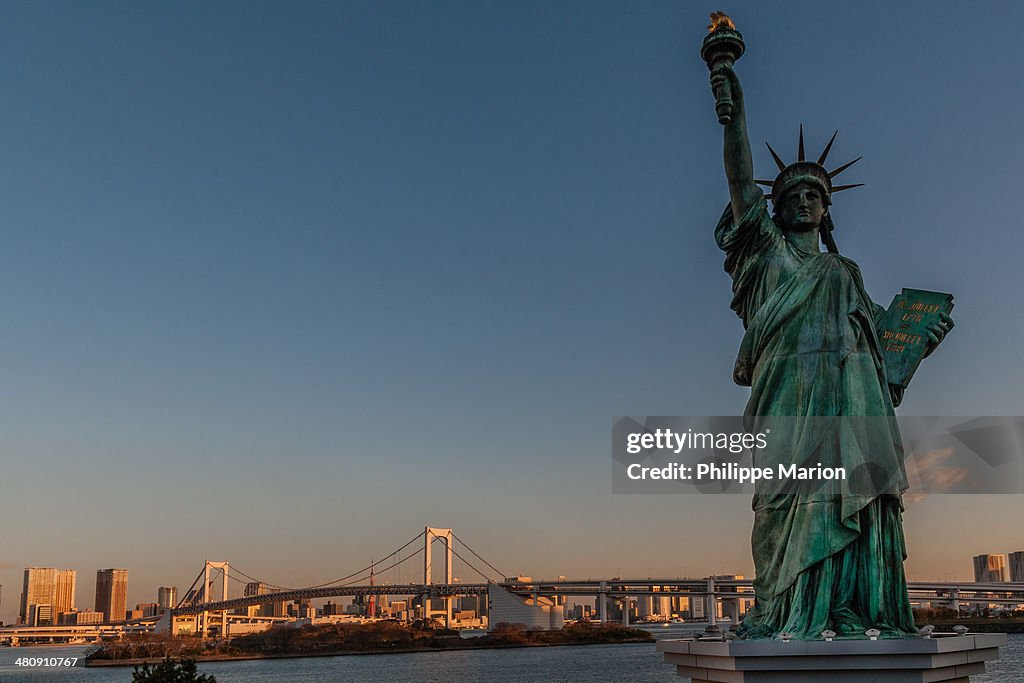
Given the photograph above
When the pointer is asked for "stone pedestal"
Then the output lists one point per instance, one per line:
(918, 660)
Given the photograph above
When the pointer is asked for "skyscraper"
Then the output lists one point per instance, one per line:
(64, 591)
(1017, 566)
(990, 568)
(37, 589)
(112, 593)
(166, 597)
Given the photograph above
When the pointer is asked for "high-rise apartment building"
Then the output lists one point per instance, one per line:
(37, 589)
(167, 597)
(54, 588)
(1017, 566)
(112, 594)
(990, 568)
(64, 590)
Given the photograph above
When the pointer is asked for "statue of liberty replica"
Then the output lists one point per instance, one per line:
(812, 355)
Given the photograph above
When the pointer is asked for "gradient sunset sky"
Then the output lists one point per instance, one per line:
(281, 284)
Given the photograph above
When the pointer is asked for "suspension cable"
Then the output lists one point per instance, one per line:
(181, 602)
(454, 552)
(500, 573)
(371, 566)
(392, 566)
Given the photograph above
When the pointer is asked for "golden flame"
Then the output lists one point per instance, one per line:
(720, 20)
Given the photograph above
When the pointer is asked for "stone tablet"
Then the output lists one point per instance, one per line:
(904, 330)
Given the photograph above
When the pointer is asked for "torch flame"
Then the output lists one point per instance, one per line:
(720, 20)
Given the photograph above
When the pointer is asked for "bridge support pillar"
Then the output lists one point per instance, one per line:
(710, 605)
(204, 617)
(602, 602)
(731, 606)
(431, 534)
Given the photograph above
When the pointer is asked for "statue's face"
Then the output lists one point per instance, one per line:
(803, 207)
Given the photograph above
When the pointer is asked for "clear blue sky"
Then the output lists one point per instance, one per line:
(283, 283)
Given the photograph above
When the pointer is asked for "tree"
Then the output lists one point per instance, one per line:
(170, 671)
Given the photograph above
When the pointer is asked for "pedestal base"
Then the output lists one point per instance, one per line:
(917, 660)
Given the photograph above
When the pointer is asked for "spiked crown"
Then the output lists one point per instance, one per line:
(803, 171)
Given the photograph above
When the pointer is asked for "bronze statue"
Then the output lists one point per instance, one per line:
(824, 560)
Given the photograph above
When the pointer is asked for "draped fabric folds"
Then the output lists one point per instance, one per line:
(823, 559)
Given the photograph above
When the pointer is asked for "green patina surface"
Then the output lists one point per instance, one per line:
(823, 559)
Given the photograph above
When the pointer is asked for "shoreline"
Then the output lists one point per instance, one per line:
(341, 653)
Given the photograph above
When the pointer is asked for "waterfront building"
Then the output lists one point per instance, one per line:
(990, 568)
(506, 607)
(40, 615)
(54, 588)
(1016, 561)
(37, 589)
(148, 609)
(90, 617)
(64, 590)
(644, 607)
(76, 618)
(112, 594)
(40, 588)
(244, 628)
(166, 597)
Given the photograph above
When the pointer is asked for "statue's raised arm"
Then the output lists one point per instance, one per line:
(722, 47)
(739, 167)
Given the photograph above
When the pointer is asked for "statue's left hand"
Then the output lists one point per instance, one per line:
(937, 331)
(896, 394)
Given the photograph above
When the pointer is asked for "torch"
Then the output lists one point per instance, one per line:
(722, 45)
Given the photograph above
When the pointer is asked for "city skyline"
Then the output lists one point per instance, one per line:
(284, 284)
(988, 567)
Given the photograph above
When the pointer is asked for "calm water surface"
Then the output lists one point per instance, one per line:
(637, 663)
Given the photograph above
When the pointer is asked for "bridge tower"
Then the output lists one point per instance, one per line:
(430, 535)
(371, 600)
(204, 617)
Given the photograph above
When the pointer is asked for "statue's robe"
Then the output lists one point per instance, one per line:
(825, 557)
